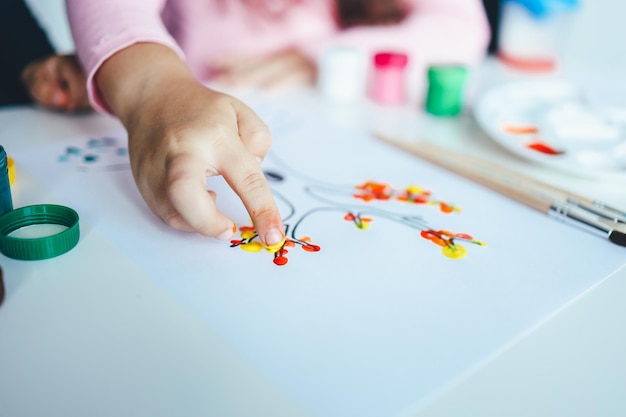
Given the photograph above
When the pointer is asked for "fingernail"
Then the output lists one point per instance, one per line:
(273, 238)
(227, 235)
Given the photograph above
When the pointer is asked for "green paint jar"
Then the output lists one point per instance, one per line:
(446, 85)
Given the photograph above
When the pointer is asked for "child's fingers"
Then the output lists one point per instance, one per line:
(190, 205)
(71, 78)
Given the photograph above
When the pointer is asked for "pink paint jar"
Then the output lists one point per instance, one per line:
(387, 84)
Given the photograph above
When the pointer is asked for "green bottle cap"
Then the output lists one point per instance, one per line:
(446, 84)
(35, 248)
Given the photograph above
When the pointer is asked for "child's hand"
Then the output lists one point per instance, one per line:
(57, 82)
(285, 69)
(180, 132)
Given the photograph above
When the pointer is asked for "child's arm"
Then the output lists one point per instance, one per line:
(102, 28)
(179, 131)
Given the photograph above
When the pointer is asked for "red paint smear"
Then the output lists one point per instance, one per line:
(311, 248)
(543, 148)
(464, 236)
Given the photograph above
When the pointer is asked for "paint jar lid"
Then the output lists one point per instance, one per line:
(391, 59)
(445, 89)
(23, 235)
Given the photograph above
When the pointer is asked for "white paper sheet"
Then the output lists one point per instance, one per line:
(379, 320)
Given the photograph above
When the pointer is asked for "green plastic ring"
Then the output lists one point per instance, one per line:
(31, 249)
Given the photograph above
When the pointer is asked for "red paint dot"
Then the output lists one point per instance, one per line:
(280, 260)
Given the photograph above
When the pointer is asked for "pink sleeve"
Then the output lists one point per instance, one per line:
(435, 32)
(102, 28)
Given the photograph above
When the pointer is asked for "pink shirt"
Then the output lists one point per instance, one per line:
(435, 32)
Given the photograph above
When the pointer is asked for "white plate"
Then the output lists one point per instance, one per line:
(552, 123)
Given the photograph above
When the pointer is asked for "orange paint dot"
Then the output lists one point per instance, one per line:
(521, 130)
(446, 208)
(438, 241)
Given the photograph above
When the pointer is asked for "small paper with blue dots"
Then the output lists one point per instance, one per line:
(97, 153)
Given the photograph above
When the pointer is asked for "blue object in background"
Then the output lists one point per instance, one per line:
(542, 9)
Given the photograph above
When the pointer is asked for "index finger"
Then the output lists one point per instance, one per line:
(243, 173)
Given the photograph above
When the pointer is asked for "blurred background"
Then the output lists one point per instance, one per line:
(593, 39)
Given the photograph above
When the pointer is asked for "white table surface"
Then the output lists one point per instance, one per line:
(71, 344)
